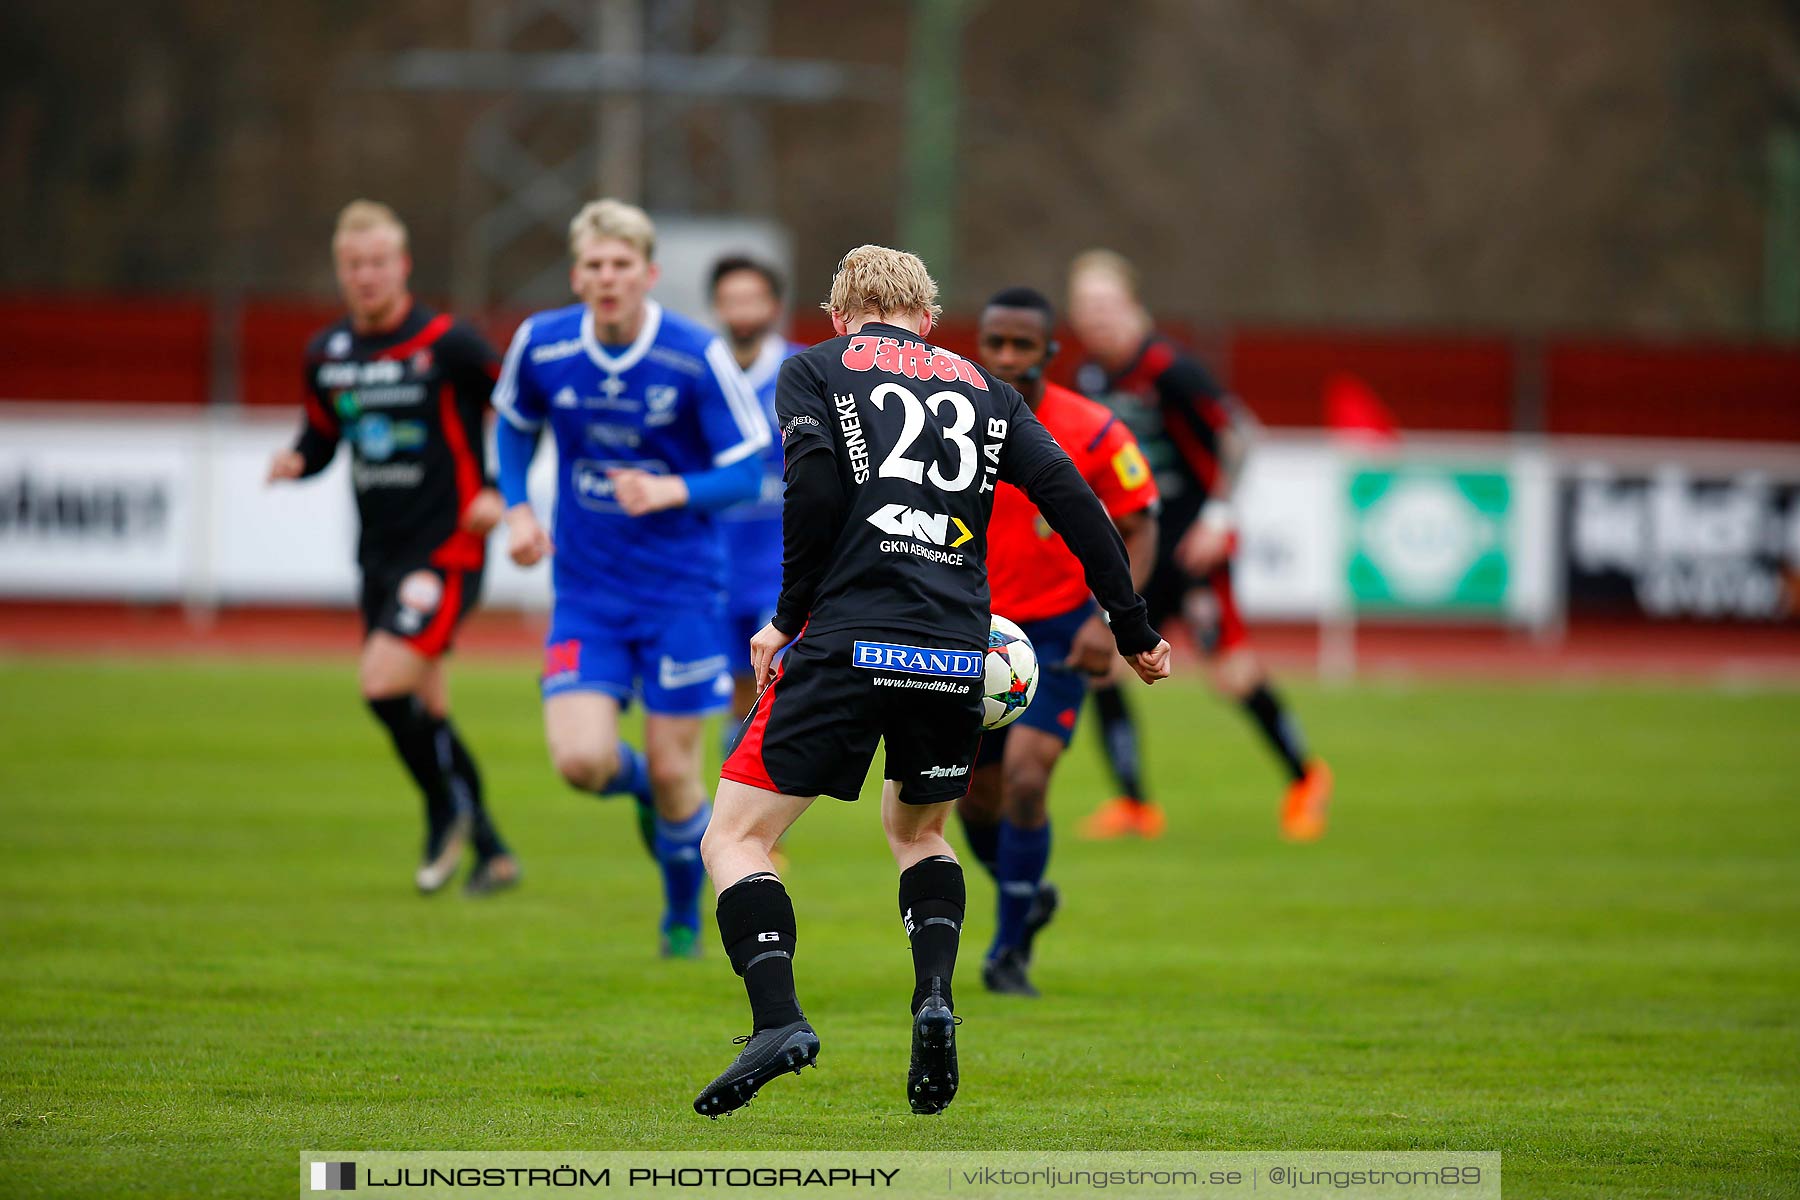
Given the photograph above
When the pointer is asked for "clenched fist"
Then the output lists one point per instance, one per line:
(483, 513)
(526, 542)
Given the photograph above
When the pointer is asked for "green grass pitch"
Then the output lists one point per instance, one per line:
(1559, 922)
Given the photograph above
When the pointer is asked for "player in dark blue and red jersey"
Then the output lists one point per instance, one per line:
(746, 301)
(408, 389)
(1194, 436)
(1038, 583)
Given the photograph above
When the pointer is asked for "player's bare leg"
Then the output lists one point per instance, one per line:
(582, 732)
(932, 901)
(392, 675)
(743, 699)
(672, 745)
(756, 926)
(1237, 674)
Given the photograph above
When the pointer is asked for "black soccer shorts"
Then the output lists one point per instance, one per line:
(814, 728)
(420, 603)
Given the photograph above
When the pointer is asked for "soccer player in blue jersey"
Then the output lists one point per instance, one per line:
(746, 301)
(656, 432)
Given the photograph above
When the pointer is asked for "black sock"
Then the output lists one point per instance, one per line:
(465, 787)
(756, 923)
(415, 740)
(983, 834)
(1278, 727)
(932, 899)
(1119, 740)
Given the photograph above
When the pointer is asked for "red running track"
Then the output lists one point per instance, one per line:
(1687, 651)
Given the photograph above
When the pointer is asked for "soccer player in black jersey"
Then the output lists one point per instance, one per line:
(408, 389)
(893, 448)
(1194, 436)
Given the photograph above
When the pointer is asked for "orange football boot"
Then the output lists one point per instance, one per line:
(1303, 812)
(1123, 817)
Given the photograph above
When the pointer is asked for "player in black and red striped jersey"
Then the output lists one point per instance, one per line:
(1194, 436)
(409, 390)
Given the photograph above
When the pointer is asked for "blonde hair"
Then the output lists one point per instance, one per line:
(882, 281)
(360, 216)
(1105, 262)
(614, 219)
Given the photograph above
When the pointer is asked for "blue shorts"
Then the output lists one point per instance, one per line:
(673, 658)
(1060, 692)
(740, 627)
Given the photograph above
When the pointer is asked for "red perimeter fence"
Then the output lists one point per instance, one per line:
(190, 352)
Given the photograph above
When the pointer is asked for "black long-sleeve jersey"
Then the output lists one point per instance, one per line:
(893, 447)
(1179, 416)
(410, 401)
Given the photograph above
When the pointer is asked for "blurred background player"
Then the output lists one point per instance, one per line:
(746, 302)
(655, 432)
(409, 388)
(1195, 438)
(893, 448)
(1035, 581)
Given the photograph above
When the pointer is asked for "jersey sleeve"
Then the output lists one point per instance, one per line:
(472, 368)
(1117, 471)
(1194, 414)
(801, 410)
(1072, 510)
(1029, 448)
(730, 415)
(319, 434)
(516, 395)
(469, 361)
(815, 495)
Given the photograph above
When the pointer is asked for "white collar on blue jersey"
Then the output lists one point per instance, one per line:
(768, 362)
(635, 351)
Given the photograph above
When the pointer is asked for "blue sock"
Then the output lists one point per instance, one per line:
(678, 854)
(984, 842)
(632, 778)
(1023, 855)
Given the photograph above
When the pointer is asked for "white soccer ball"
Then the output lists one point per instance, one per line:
(1009, 674)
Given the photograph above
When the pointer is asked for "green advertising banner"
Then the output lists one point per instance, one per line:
(1429, 539)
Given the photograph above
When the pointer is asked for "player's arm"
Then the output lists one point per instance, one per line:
(812, 508)
(1121, 478)
(473, 368)
(736, 432)
(1198, 416)
(1031, 460)
(1138, 531)
(1195, 416)
(520, 405)
(319, 434)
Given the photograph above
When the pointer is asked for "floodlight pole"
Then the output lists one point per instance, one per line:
(933, 109)
(640, 68)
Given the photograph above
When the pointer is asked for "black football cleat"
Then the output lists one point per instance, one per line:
(766, 1054)
(444, 846)
(1043, 911)
(931, 1079)
(1005, 974)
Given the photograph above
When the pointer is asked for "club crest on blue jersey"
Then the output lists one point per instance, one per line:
(917, 660)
